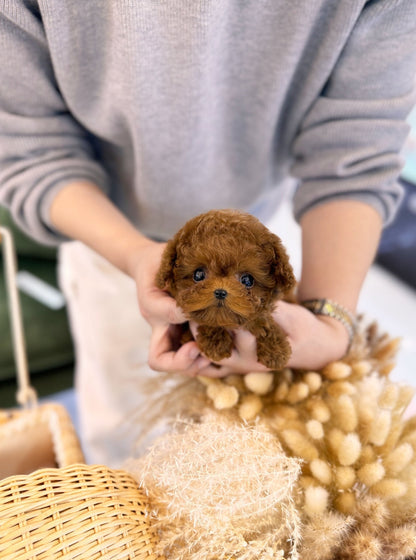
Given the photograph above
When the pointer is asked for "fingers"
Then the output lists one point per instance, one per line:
(159, 307)
(243, 358)
(231, 367)
(167, 355)
(160, 310)
(163, 355)
(315, 341)
(156, 306)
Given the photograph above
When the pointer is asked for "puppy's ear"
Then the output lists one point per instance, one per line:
(165, 276)
(280, 266)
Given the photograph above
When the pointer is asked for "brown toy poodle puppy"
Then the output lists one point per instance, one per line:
(226, 270)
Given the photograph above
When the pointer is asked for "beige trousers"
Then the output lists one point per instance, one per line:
(111, 344)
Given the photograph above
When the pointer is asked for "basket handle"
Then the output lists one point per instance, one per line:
(26, 394)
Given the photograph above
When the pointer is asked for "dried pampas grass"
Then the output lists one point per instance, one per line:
(356, 491)
(322, 535)
(221, 490)
(346, 423)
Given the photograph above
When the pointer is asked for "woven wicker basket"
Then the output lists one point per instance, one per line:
(52, 505)
(78, 512)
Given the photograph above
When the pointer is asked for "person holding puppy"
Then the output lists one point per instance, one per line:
(119, 123)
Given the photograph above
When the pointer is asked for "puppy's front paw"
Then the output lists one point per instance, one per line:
(273, 359)
(215, 342)
(273, 348)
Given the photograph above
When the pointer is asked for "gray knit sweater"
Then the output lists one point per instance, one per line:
(174, 107)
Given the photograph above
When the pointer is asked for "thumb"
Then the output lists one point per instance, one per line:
(160, 307)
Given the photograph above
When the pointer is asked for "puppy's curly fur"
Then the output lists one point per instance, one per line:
(226, 270)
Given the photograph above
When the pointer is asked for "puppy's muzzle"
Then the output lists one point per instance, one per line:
(220, 293)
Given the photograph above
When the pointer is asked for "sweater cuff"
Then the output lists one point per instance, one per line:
(385, 204)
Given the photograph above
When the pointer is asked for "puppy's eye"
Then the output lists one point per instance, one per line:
(199, 274)
(247, 280)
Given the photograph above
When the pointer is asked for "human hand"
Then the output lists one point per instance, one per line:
(315, 341)
(164, 316)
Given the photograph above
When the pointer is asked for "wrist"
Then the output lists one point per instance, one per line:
(135, 250)
(334, 314)
(340, 333)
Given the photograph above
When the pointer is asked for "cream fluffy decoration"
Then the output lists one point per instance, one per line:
(221, 490)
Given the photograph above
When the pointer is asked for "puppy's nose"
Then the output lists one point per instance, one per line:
(220, 293)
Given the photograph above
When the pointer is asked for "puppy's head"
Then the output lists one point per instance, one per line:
(225, 267)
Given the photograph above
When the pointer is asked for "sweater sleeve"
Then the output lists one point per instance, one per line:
(350, 140)
(42, 147)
